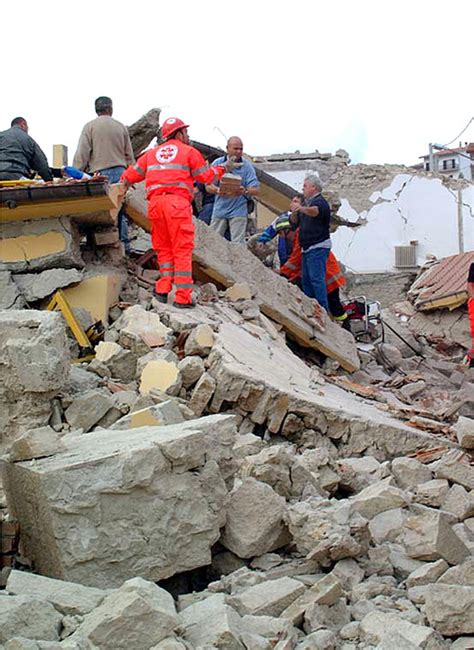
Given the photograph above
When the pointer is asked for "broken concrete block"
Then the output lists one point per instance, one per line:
(106, 236)
(272, 466)
(66, 597)
(376, 625)
(325, 591)
(450, 609)
(141, 490)
(355, 474)
(202, 393)
(86, 411)
(212, 623)
(321, 639)
(409, 472)
(255, 520)
(427, 574)
(29, 617)
(411, 391)
(457, 472)
(121, 363)
(40, 244)
(163, 375)
(137, 324)
(96, 293)
(157, 415)
(462, 574)
(248, 445)
(386, 526)
(464, 429)
(432, 493)
(199, 341)
(463, 643)
(34, 365)
(106, 350)
(377, 498)
(459, 502)
(430, 537)
(35, 286)
(238, 291)
(269, 598)
(191, 369)
(333, 617)
(35, 443)
(137, 615)
(10, 296)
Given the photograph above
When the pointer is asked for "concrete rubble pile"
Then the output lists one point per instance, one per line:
(200, 485)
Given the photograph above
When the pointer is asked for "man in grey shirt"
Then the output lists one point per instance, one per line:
(104, 147)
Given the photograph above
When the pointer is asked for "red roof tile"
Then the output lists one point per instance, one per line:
(446, 278)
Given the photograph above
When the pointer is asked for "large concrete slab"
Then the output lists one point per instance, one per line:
(117, 504)
(227, 263)
(272, 385)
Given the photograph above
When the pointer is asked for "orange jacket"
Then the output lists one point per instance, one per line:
(292, 268)
(172, 168)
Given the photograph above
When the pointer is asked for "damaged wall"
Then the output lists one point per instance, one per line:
(397, 207)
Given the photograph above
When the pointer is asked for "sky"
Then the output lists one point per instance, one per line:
(379, 79)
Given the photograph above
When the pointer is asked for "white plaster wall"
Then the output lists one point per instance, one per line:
(410, 208)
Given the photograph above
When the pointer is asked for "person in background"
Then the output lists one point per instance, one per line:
(207, 204)
(284, 229)
(104, 147)
(20, 154)
(313, 220)
(232, 211)
(470, 307)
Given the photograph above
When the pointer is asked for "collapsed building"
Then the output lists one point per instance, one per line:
(240, 475)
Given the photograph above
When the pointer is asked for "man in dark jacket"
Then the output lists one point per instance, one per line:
(20, 154)
(313, 221)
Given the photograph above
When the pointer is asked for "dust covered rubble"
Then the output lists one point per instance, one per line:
(299, 512)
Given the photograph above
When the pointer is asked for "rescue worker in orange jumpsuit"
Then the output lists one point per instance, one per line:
(334, 280)
(470, 308)
(170, 171)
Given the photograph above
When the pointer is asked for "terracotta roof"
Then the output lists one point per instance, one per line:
(444, 284)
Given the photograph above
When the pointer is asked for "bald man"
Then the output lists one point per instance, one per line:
(231, 211)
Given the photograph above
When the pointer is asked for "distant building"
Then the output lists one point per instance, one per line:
(456, 163)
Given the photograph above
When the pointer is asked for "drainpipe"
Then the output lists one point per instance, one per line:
(460, 223)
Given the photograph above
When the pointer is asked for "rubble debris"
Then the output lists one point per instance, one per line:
(34, 365)
(101, 478)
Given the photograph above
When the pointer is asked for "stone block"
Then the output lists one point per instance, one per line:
(409, 472)
(462, 574)
(426, 574)
(255, 520)
(137, 324)
(450, 609)
(191, 368)
(269, 598)
(377, 498)
(161, 375)
(158, 415)
(34, 366)
(35, 443)
(457, 472)
(238, 291)
(29, 617)
(66, 597)
(377, 625)
(432, 493)
(212, 623)
(149, 504)
(202, 393)
(36, 286)
(459, 502)
(464, 430)
(387, 526)
(199, 341)
(137, 615)
(40, 244)
(325, 591)
(10, 296)
(86, 410)
(430, 537)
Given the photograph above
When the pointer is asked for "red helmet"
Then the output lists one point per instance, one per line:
(171, 125)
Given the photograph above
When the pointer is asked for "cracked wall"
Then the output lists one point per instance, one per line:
(395, 207)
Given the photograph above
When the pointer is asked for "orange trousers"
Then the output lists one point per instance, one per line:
(172, 237)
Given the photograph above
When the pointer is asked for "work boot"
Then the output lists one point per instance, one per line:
(161, 297)
(184, 305)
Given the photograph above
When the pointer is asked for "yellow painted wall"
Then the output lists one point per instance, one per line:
(30, 247)
(96, 294)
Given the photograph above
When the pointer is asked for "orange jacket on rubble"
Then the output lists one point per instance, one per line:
(172, 168)
(292, 268)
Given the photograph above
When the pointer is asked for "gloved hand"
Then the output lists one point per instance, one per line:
(231, 164)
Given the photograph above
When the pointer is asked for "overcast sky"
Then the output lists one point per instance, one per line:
(379, 79)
